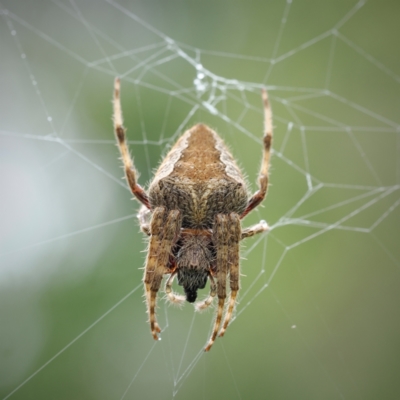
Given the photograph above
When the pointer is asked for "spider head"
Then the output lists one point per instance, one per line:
(192, 279)
(193, 260)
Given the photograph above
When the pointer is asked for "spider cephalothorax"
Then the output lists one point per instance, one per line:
(191, 213)
(194, 257)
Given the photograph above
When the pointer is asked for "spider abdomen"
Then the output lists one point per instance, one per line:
(200, 178)
(199, 203)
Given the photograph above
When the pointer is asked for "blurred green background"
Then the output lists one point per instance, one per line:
(318, 316)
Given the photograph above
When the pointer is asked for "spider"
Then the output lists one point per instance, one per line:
(191, 213)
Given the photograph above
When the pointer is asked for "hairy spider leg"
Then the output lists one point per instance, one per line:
(221, 242)
(202, 305)
(157, 222)
(255, 229)
(173, 297)
(165, 227)
(119, 130)
(258, 197)
(233, 263)
(144, 216)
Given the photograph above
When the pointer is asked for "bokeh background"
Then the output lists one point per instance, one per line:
(319, 308)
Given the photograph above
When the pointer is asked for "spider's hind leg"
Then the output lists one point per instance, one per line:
(258, 197)
(119, 130)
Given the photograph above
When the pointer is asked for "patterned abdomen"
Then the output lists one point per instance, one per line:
(200, 178)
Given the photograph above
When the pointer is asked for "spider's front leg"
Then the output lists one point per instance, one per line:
(226, 238)
(164, 230)
(233, 263)
(220, 240)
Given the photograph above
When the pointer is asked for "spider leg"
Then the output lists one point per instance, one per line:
(221, 240)
(154, 327)
(261, 227)
(130, 172)
(157, 222)
(202, 305)
(165, 227)
(171, 295)
(233, 263)
(143, 216)
(258, 196)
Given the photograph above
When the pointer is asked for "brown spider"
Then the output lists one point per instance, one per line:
(191, 213)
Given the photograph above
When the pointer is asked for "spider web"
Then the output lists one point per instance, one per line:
(317, 314)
